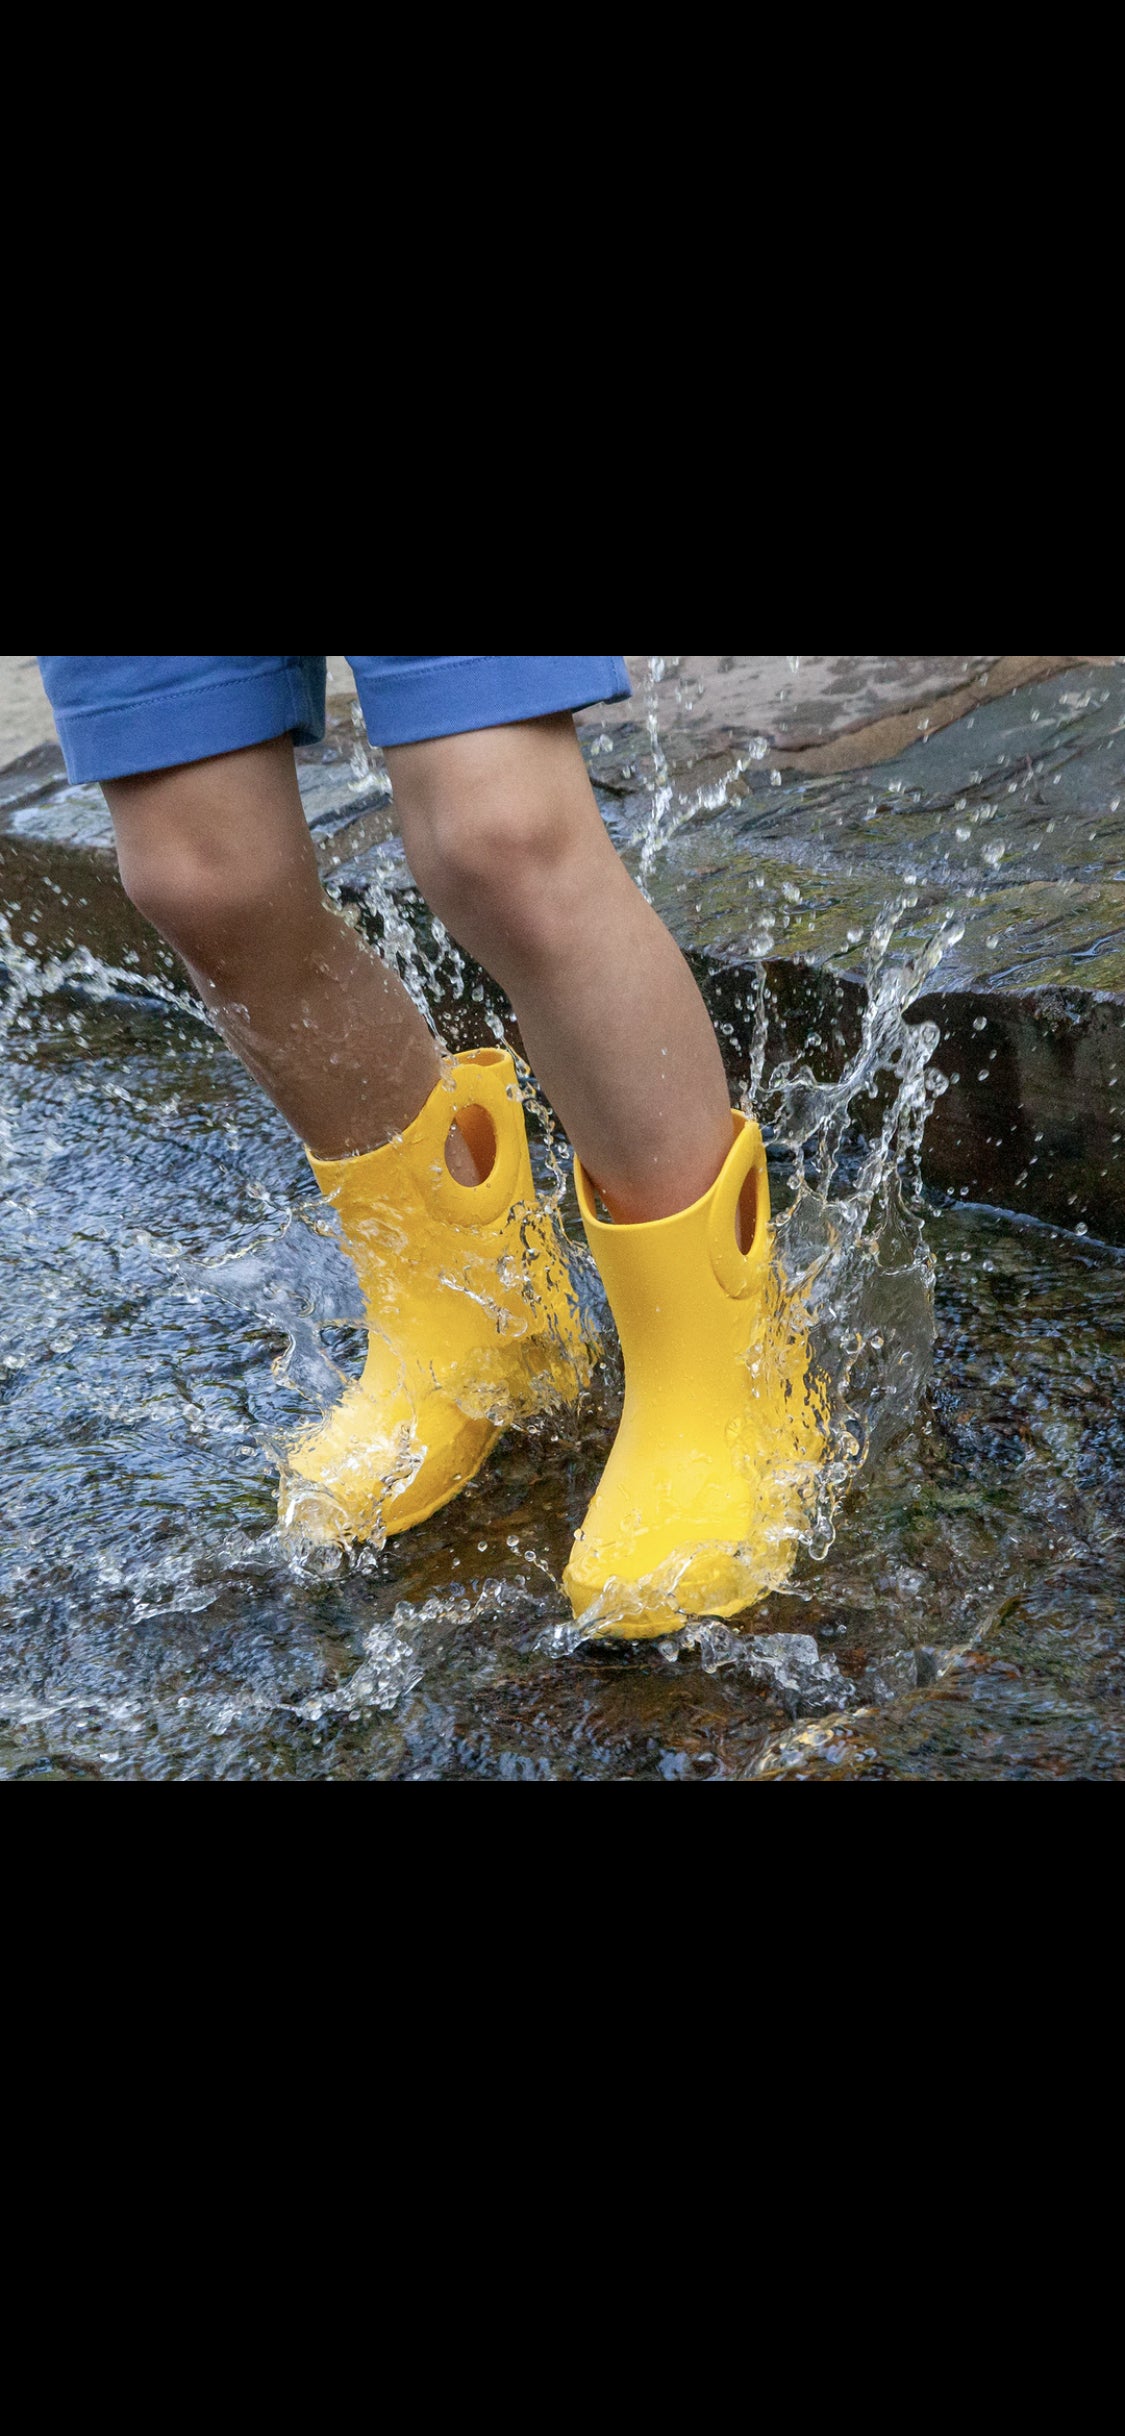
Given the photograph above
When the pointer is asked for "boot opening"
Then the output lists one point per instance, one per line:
(478, 1133)
(746, 1214)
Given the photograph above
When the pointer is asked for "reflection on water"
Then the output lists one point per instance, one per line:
(173, 1302)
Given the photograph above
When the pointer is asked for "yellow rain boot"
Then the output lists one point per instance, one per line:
(472, 1319)
(715, 1460)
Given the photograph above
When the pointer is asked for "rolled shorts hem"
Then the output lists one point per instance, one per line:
(159, 731)
(405, 704)
(413, 705)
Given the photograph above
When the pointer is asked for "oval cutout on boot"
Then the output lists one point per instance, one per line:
(733, 1207)
(478, 1132)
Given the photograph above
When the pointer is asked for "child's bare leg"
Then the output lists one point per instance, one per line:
(218, 855)
(506, 843)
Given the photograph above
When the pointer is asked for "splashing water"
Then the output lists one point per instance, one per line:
(854, 1268)
(177, 1309)
(851, 1241)
(666, 813)
(852, 1255)
(662, 793)
(849, 1236)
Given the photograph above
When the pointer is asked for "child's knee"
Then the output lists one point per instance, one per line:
(205, 902)
(500, 867)
(210, 851)
(453, 855)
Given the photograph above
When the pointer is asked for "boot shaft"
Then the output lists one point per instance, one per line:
(402, 1211)
(679, 1287)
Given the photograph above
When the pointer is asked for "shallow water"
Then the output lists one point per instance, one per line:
(169, 1305)
(173, 1303)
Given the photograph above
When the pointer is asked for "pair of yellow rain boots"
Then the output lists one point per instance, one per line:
(473, 1324)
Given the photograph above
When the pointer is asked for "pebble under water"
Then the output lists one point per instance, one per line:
(170, 1305)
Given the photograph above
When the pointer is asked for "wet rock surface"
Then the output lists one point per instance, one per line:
(1008, 829)
(815, 715)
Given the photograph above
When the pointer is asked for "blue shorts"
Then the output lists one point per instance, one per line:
(118, 717)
